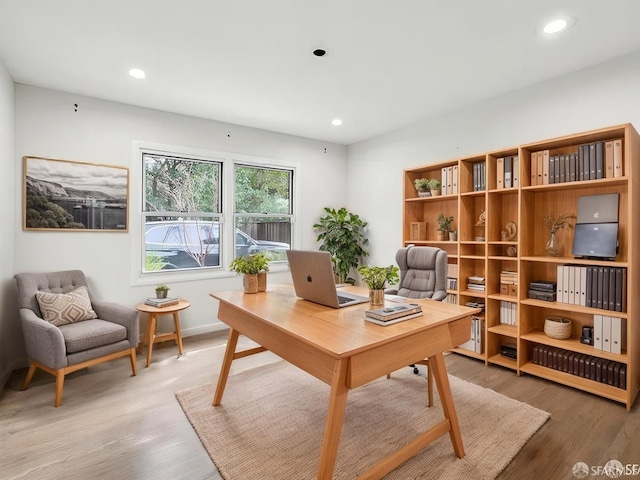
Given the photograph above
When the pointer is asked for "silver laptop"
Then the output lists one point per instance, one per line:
(598, 208)
(313, 279)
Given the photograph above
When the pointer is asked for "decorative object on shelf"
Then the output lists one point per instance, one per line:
(512, 251)
(557, 327)
(435, 187)
(422, 186)
(161, 291)
(482, 219)
(342, 235)
(253, 268)
(377, 278)
(453, 236)
(444, 226)
(554, 246)
(509, 232)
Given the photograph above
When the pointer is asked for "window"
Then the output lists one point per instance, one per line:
(263, 210)
(183, 210)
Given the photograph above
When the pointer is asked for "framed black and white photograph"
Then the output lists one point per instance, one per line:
(78, 196)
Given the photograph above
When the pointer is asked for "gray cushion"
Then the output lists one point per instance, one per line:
(90, 334)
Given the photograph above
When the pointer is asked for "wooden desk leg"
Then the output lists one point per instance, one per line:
(335, 417)
(229, 354)
(444, 389)
(176, 323)
(151, 332)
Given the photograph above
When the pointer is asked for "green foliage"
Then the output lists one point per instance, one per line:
(256, 263)
(444, 223)
(162, 288)
(422, 184)
(434, 184)
(342, 235)
(153, 263)
(261, 190)
(376, 278)
(41, 213)
(181, 185)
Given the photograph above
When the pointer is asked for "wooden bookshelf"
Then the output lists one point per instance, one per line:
(481, 248)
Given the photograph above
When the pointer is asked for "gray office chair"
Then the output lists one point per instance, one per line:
(423, 274)
(69, 342)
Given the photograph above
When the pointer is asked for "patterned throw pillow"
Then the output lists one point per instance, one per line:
(63, 308)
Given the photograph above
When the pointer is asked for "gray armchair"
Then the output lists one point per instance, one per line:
(60, 350)
(423, 274)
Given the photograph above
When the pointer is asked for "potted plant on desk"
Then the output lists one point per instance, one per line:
(254, 269)
(377, 278)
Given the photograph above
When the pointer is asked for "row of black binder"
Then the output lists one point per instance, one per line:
(593, 286)
(582, 365)
(479, 176)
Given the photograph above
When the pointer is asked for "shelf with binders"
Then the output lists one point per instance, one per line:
(503, 172)
(580, 383)
(473, 175)
(446, 173)
(583, 157)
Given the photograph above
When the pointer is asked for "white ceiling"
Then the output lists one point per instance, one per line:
(249, 62)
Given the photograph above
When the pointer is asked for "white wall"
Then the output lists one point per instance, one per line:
(104, 132)
(10, 332)
(601, 96)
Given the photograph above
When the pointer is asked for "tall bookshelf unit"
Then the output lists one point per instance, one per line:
(485, 249)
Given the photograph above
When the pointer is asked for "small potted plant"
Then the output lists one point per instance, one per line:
(254, 269)
(377, 278)
(435, 187)
(444, 226)
(161, 291)
(422, 186)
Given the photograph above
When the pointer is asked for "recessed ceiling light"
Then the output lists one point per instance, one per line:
(137, 73)
(336, 121)
(558, 25)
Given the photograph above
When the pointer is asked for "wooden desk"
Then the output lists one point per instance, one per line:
(150, 336)
(338, 347)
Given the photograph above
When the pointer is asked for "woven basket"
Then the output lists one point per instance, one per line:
(556, 327)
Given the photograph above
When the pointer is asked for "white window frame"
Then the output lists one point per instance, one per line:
(227, 219)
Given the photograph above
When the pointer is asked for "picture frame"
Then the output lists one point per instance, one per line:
(66, 195)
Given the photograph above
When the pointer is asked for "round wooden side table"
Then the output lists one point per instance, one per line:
(151, 336)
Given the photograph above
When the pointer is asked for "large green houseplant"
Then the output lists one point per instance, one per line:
(342, 235)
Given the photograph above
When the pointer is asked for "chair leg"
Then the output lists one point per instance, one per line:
(134, 367)
(59, 386)
(29, 377)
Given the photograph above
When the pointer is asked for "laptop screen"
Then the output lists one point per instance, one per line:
(598, 240)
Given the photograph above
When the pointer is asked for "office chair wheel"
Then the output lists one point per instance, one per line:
(415, 369)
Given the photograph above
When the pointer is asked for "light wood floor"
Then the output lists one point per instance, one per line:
(115, 426)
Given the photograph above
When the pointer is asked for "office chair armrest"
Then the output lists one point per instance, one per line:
(439, 295)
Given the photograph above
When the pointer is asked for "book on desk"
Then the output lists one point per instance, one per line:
(395, 314)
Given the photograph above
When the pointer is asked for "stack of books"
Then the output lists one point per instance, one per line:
(161, 302)
(476, 284)
(395, 314)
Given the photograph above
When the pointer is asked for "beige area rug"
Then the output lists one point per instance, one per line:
(271, 422)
